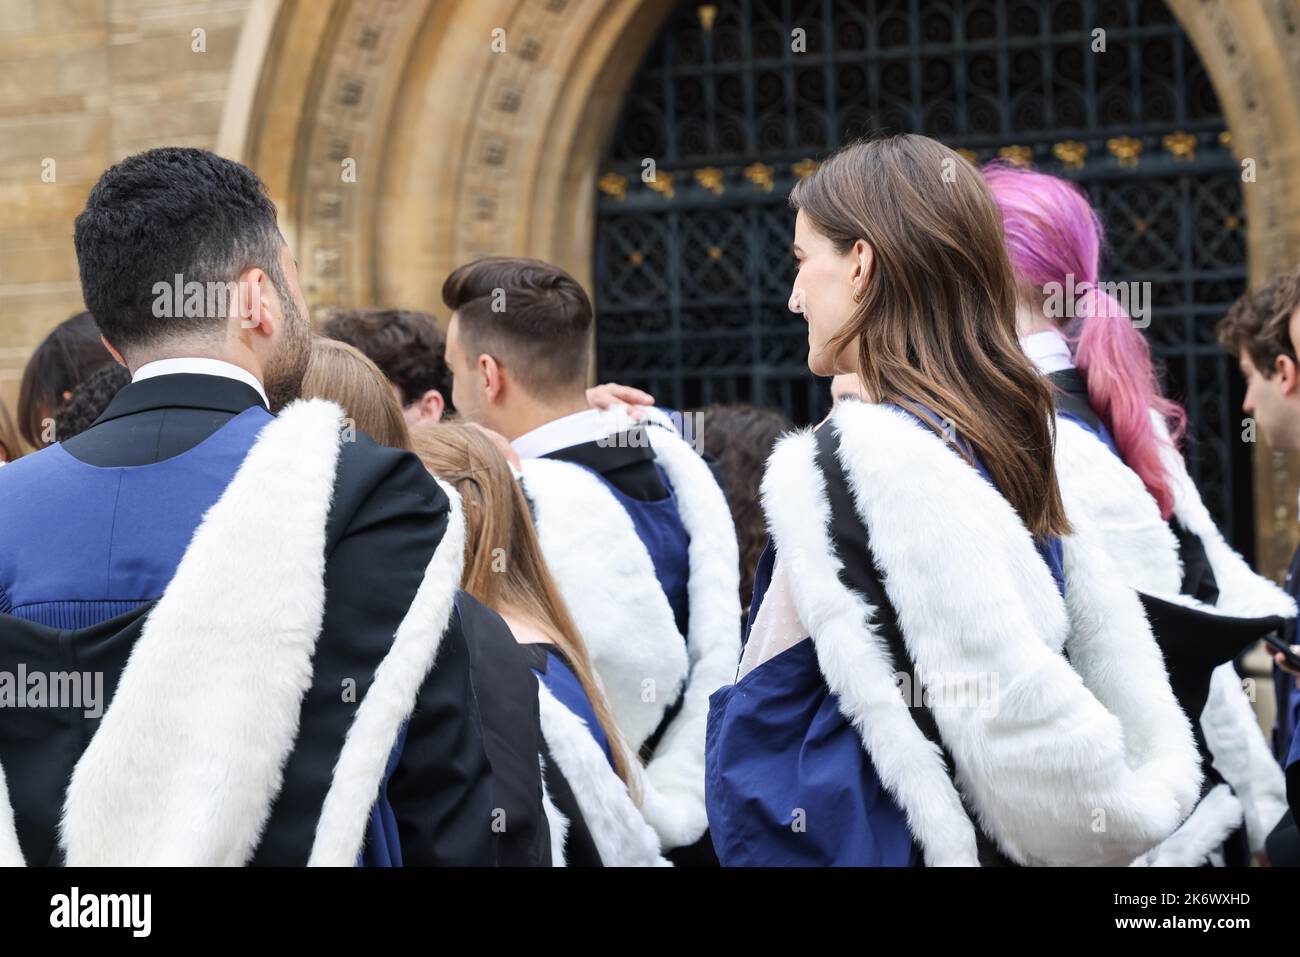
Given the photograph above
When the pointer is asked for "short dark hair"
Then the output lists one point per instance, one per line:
(168, 212)
(67, 357)
(89, 400)
(531, 316)
(1259, 323)
(406, 345)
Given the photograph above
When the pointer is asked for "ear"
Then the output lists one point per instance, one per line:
(493, 378)
(1284, 368)
(258, 305)
(117, 356)
(864, 258)
(432, 405)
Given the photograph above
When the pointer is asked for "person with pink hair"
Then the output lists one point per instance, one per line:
(1123, 479)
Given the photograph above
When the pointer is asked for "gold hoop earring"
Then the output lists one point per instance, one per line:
(858, 295)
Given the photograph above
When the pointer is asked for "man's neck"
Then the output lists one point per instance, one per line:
(202, 365)
(534, 415)
(137, 361)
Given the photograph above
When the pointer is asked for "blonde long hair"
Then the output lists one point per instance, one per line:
(499, 525)
(344, 374)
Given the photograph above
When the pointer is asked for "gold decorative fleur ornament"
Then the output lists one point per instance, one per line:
(711, 179)
(1071, 153)
(761, 175)
(1126, 149)
(612, 184)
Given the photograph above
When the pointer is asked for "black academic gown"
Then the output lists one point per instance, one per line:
(1193, 643)
(628, 463)
(512, 736)
(386, 518)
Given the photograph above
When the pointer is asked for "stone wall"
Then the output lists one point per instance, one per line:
(84, 83)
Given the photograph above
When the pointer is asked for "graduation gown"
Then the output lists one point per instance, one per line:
(1206, 607)
(594, 818)
(278, 702)
(911, 572)
(639, 537)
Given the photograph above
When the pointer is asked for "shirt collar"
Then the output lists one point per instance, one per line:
(1048, 350)
(200, 366)
(588, 425)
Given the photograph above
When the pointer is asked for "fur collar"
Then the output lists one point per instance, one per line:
(1078, 762)
(556, 822)
(608, 581)
(1216, 816)
(188, 760)
(621, 834)
(390, 700)
(1102, 492)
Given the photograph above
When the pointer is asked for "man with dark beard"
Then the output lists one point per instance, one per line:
(264, 597)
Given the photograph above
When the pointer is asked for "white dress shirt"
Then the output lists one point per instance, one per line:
(588, 425)
(200, 366)
(1048, 350)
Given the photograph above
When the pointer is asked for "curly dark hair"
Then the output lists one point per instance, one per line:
(89, 400)
(1260, 323)
(167, 212)
(406, 345)
(740, 438)
(64, 359)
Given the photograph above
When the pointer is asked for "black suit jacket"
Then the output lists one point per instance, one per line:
(386, 519)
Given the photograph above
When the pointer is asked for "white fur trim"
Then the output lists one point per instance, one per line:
(855, 661)
(673, 797)
(1065, 740)
(607, 579)
(1242, 593)
(1098, 488)
(1104, 494)
(190, 755)
(608, 582)
(11, 854)
(1242, 756)
(1202, 834)
(390, 700)
(622, 836)
(555, 821)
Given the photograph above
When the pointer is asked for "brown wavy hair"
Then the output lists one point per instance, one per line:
(936, 328)
(499, 525)
(740, 438)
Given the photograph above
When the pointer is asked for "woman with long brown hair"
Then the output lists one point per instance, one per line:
(505, 570)
(919, 544)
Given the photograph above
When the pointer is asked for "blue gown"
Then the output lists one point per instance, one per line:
(564, 685)
(778, 741)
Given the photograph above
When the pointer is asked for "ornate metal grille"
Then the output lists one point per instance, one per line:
(693, 270)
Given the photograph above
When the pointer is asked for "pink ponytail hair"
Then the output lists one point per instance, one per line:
(1052, 232)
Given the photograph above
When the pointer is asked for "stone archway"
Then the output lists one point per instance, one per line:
(1252, 52)
(461, 151)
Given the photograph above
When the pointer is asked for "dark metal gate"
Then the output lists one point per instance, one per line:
(733, 103)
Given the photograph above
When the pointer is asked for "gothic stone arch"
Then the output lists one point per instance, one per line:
(462, 151)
